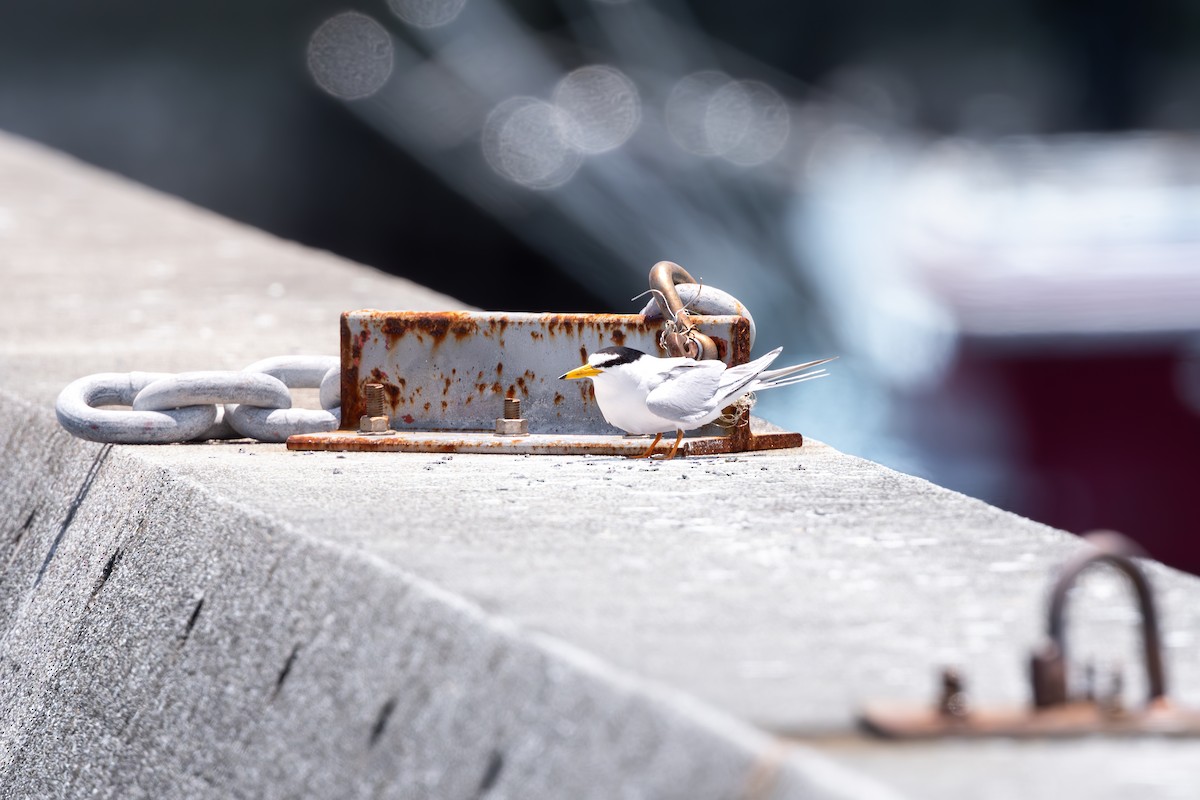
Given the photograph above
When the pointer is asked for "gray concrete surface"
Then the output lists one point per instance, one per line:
(238, 620)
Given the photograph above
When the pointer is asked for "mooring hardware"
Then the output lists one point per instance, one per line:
(252, 403)
(443, 376)
(1055, 711)
(434, 382)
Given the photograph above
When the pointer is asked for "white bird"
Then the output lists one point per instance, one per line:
(642, 394)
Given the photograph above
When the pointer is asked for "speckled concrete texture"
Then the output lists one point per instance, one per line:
(160, 641)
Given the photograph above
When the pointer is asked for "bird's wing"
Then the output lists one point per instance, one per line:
(686, 391)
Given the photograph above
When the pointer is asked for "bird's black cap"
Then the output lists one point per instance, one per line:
(620, 355)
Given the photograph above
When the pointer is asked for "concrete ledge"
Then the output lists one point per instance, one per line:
(159, 641)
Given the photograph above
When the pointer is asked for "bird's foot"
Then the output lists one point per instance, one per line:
(674, 447)
(650, 450)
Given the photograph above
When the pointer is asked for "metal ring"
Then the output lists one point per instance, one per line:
(197, 388)
(295, 372)
(304, 372)
(77, 411)
(277, 424)
(331, 388)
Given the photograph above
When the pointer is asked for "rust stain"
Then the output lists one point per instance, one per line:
(740, 346)
(524, 389)
(445, 387)
(558, 398)
(408, 418)
(579, 324)
(722, 347)
(496, 326)
(500, 368)
(775, 441)
(497, 388)
(536, 335)
(463, 329)
(436, 325)
(350, 346)
(511, 393)
(393, 394)
(618, 337)
(582, 354)
(445, 406)
(427, 406)
(469, 399)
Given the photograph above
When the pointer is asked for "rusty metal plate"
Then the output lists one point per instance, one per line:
(445, 376)
(450, 371)
(738, 441)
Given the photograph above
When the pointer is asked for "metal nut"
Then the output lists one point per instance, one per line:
(374, 426)
(512, 427)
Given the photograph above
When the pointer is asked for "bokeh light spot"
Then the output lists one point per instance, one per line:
(522, 141)
(687, 110)
(747, 122)
(427, 13)
(600, 108)
(350, 56)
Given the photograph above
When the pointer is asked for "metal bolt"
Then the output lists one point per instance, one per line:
(375, 421)
(511, 424)
(373, 394)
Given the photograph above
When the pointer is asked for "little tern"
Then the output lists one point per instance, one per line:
(643, 394)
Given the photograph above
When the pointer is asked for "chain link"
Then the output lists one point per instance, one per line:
(256, 402)
(253, 403)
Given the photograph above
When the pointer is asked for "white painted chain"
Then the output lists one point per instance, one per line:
(253, 403)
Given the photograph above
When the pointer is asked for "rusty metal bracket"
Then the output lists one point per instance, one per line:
(445, 377)
(1055, 711)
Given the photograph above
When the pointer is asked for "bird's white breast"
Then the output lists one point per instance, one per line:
(622, 401)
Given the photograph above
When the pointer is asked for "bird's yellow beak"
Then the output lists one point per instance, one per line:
(586, 371)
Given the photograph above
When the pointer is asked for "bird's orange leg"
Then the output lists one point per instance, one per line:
(674, 447)
(650, 450)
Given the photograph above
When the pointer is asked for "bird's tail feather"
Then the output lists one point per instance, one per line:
(773, 378)
(808, 376)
